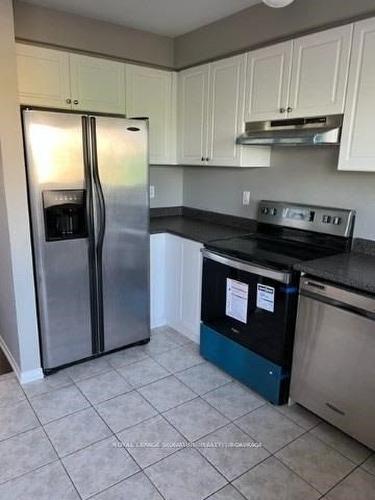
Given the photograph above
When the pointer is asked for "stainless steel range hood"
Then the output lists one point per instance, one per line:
(316, 131)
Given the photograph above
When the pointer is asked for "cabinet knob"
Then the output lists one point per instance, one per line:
(289, 109)
(68, 101)
(207, 159)
(75, 101)
(202, 159)
(282, 110)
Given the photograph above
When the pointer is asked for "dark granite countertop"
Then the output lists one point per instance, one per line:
(355, 270)
(198, 225)
(193, 228)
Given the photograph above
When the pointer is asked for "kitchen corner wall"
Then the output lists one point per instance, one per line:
(18, 321)
(306, 175)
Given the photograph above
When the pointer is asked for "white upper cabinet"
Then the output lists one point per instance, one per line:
(357, 151)
(192, 115)
(302, 78)
(267, 82)
(225, 110)
(320, 72)
(58, 79)
(151, 93)
(211, 116)
(43, 76)
(97, 84)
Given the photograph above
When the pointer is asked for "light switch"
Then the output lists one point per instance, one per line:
(152, 191)
(246, 198)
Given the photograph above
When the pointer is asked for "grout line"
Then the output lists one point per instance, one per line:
(341, 480)
(339, 451)
(161, 414)
(53, 447)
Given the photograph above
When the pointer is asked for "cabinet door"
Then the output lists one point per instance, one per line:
(320, 72)
(191, 284)
(43, 76)
(357, 151)
(267, 82)
(225, 110)
(157, 280)
(173, 259)
(183, 285)
(151, 93)
(192, 110)
(97, 84)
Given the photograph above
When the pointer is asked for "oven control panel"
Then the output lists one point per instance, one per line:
(335, 221)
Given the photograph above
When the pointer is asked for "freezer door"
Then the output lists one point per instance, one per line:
(120, 164)
(58, 197)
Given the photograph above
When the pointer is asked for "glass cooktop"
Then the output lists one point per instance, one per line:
(279, 251)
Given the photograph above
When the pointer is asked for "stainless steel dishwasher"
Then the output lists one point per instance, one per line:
(333, 372)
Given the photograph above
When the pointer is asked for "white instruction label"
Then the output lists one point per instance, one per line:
(237, 295)
(265, 297)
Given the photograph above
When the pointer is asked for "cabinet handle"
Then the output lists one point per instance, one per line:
(282, 110)
(289, 109)
(75, 101)
(68, 101)
(207, 159)
(202, 159)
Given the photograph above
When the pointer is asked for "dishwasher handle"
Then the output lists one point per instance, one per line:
(339, 295)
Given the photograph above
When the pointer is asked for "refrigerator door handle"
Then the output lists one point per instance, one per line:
(91, 233)
(101, 231)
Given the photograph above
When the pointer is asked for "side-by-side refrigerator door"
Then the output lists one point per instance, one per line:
(59, 217)
(120, 167)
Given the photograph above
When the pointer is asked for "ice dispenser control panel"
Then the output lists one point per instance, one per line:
(65, 214)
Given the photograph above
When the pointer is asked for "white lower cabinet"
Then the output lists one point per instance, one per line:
(176, 275)
(157, 280)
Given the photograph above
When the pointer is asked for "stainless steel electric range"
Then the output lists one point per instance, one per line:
(250, 291)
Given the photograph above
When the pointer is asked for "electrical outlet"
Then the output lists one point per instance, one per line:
(246, 198)
(152, 191)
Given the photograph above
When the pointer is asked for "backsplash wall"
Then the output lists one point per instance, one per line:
(168, 183)
(306, 175)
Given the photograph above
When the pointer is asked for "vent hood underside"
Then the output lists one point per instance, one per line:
(317, 131)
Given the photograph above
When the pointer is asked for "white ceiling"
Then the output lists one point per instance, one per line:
(166, 17)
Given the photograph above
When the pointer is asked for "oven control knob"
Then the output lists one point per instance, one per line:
(273, 211)
(337, 221)
(265, 210)
(326, 219)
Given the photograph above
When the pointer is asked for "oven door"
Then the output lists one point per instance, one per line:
(251, 305)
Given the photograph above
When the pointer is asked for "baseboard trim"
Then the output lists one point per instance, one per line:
(157, 322)
(23, 376)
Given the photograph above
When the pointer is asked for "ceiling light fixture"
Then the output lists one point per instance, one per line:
(277, 3)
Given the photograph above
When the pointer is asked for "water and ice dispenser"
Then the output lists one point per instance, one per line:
(65, 214)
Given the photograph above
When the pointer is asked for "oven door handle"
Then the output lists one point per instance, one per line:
(281, 276)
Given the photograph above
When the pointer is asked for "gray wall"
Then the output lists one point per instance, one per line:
(168, 182)
(8, 316)
(260, 24)
(18, 322)
(47, 26)
(296, 175)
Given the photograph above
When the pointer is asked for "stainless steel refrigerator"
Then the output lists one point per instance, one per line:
(88, 198)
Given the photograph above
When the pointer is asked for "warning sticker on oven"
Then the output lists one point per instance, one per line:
(265, 297)
(237, 296)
